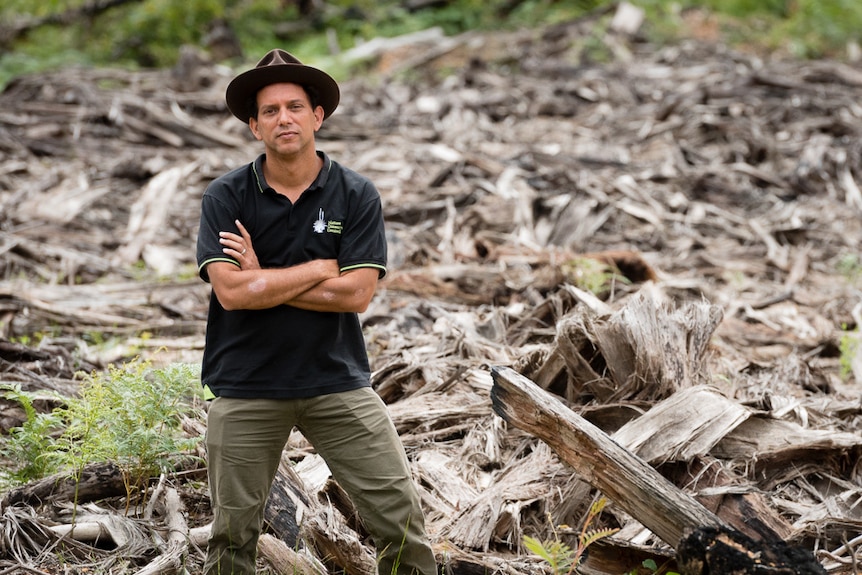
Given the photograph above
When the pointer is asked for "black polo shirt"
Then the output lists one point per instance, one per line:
(286, 352)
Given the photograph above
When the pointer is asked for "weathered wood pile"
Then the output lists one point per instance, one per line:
(715, 193)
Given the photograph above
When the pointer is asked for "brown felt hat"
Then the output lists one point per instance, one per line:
(276, 67)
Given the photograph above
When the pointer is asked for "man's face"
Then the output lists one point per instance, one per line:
(285, 121)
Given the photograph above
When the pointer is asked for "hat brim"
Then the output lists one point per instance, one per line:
(247, 84)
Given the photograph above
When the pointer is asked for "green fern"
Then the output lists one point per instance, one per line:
(561, 557)
(558, 555)
(130, 415)
(30, 444)
(593, 535)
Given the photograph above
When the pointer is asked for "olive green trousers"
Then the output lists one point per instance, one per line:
(353, 433)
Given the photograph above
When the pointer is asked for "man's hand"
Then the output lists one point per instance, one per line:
(239, 247)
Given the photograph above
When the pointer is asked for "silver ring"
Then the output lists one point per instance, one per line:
(242, 253)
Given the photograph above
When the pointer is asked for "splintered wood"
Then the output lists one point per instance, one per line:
(665, 246)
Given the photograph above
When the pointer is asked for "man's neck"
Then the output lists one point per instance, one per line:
(292, 176)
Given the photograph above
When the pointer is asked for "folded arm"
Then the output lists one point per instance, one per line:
(238, 288)
(350, 292)
(316, 285)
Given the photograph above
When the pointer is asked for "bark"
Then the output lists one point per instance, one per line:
(97, 481)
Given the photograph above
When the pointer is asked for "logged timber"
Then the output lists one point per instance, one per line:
(175, 550)
(624, 478)
(96, 481)
(704, 543)
(295, 516)
(286, 505)
(285, 559)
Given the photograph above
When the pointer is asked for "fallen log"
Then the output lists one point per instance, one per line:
(105, 529)
(151, 211)
(686, 427)
(284, 559)
(672, 514)
(624, 478)
(96, 481)
(287, 504)
(296, 516)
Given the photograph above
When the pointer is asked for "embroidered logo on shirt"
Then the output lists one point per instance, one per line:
(321, 225)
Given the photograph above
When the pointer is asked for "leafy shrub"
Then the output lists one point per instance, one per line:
(129, 415)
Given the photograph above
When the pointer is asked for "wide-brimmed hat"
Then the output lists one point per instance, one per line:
(276, 67)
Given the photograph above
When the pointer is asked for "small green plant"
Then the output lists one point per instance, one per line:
(849, 346)
(593, 275)
(129, 415)
(652, 566)
(560, 556)
(29, 443)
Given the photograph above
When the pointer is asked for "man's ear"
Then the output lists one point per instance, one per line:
(318, 118)
(252, 125)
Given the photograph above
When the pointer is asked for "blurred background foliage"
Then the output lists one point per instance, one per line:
(44, 34)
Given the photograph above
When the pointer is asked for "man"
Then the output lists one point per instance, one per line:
(293, 245)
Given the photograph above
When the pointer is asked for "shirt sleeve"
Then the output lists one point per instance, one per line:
(363, 243)
(215, 217)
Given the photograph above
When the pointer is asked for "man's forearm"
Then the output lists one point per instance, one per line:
(267, 288)
(351, 292)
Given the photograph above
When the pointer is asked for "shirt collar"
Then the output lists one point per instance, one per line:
(319, 181)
